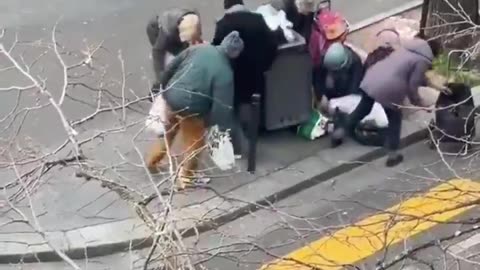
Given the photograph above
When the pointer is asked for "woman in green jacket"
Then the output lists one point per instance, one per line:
(198, 89)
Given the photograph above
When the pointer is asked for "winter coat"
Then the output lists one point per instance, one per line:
(199, 81)
(259, 52)
(346, 81)
(399, 75)
(377, 55)
(164, 37)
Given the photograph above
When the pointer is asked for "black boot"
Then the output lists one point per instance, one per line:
(338, 133)
(394, 158)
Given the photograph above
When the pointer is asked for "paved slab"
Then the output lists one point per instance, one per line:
(250, 241)
(277, 230)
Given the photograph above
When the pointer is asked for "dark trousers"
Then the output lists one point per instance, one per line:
(394, 116)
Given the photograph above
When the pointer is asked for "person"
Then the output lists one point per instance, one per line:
(259, 53)
(340, 75)
(389, 82)
(199, 91)
(388, 40)
(300, 13)
(170, 34)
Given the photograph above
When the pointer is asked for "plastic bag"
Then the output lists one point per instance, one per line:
(316, 127)
(348, 103)
(276, 19)
(158, 116)
(221, 149)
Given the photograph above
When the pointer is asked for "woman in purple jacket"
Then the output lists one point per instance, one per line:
(389, 82)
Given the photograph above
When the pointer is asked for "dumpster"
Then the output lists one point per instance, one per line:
(288, 95)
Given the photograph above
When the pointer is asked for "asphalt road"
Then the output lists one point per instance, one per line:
(252, 241)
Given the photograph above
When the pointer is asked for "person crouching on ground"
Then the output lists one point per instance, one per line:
(343, 72)
(199, 91)
(389, 82)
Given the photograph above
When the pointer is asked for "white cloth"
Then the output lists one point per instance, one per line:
(275, 19)
(348, 103)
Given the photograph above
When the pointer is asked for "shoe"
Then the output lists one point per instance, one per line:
(394, 159)
(338, 133)
(337, 137)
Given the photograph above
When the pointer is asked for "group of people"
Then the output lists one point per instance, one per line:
(204, 83)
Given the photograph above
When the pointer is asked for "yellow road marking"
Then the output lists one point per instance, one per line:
(363, 239)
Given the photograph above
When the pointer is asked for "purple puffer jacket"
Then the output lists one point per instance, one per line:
(399, 75)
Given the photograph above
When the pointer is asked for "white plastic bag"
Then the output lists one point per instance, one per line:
(348, 103)
(158, 116)
(221, 149)
(276, 19)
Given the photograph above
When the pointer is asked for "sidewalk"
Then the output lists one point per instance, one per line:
(84, 219)
(286, 166)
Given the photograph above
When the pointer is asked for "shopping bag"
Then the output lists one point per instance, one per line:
(221, 149)
(158, 116)
(277, 19)
(316, 127)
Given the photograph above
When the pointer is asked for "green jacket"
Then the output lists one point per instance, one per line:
(199, 81)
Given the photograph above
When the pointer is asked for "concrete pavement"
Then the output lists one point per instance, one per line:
(278, 229)
(329, 208)
(80, 213)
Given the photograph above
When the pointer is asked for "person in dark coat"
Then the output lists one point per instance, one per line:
(342, 72)
(259, 53)
(389, 82)
(167, 40)
(199, 91)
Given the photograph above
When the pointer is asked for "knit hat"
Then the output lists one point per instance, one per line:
(232, 45)
(336, 57)
(388, 37)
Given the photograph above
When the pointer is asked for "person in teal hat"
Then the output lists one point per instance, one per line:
(340, 73)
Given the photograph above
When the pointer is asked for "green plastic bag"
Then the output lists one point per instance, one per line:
(315, 127)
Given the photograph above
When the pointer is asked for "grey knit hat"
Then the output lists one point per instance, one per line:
(232, 44)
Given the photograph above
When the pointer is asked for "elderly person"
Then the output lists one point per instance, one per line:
(199, 92)
(389, 82)
(342, 72)
(171, 33)
(260, 48)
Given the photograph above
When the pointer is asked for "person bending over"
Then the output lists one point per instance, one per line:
(198, 90)
(389, 82)
(339, 75)
(170, 34)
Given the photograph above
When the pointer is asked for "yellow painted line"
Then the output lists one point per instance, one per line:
(365, 238)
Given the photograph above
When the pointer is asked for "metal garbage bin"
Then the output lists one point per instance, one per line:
(288, 92)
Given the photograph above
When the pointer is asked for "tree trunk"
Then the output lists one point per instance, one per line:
(450, 21)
